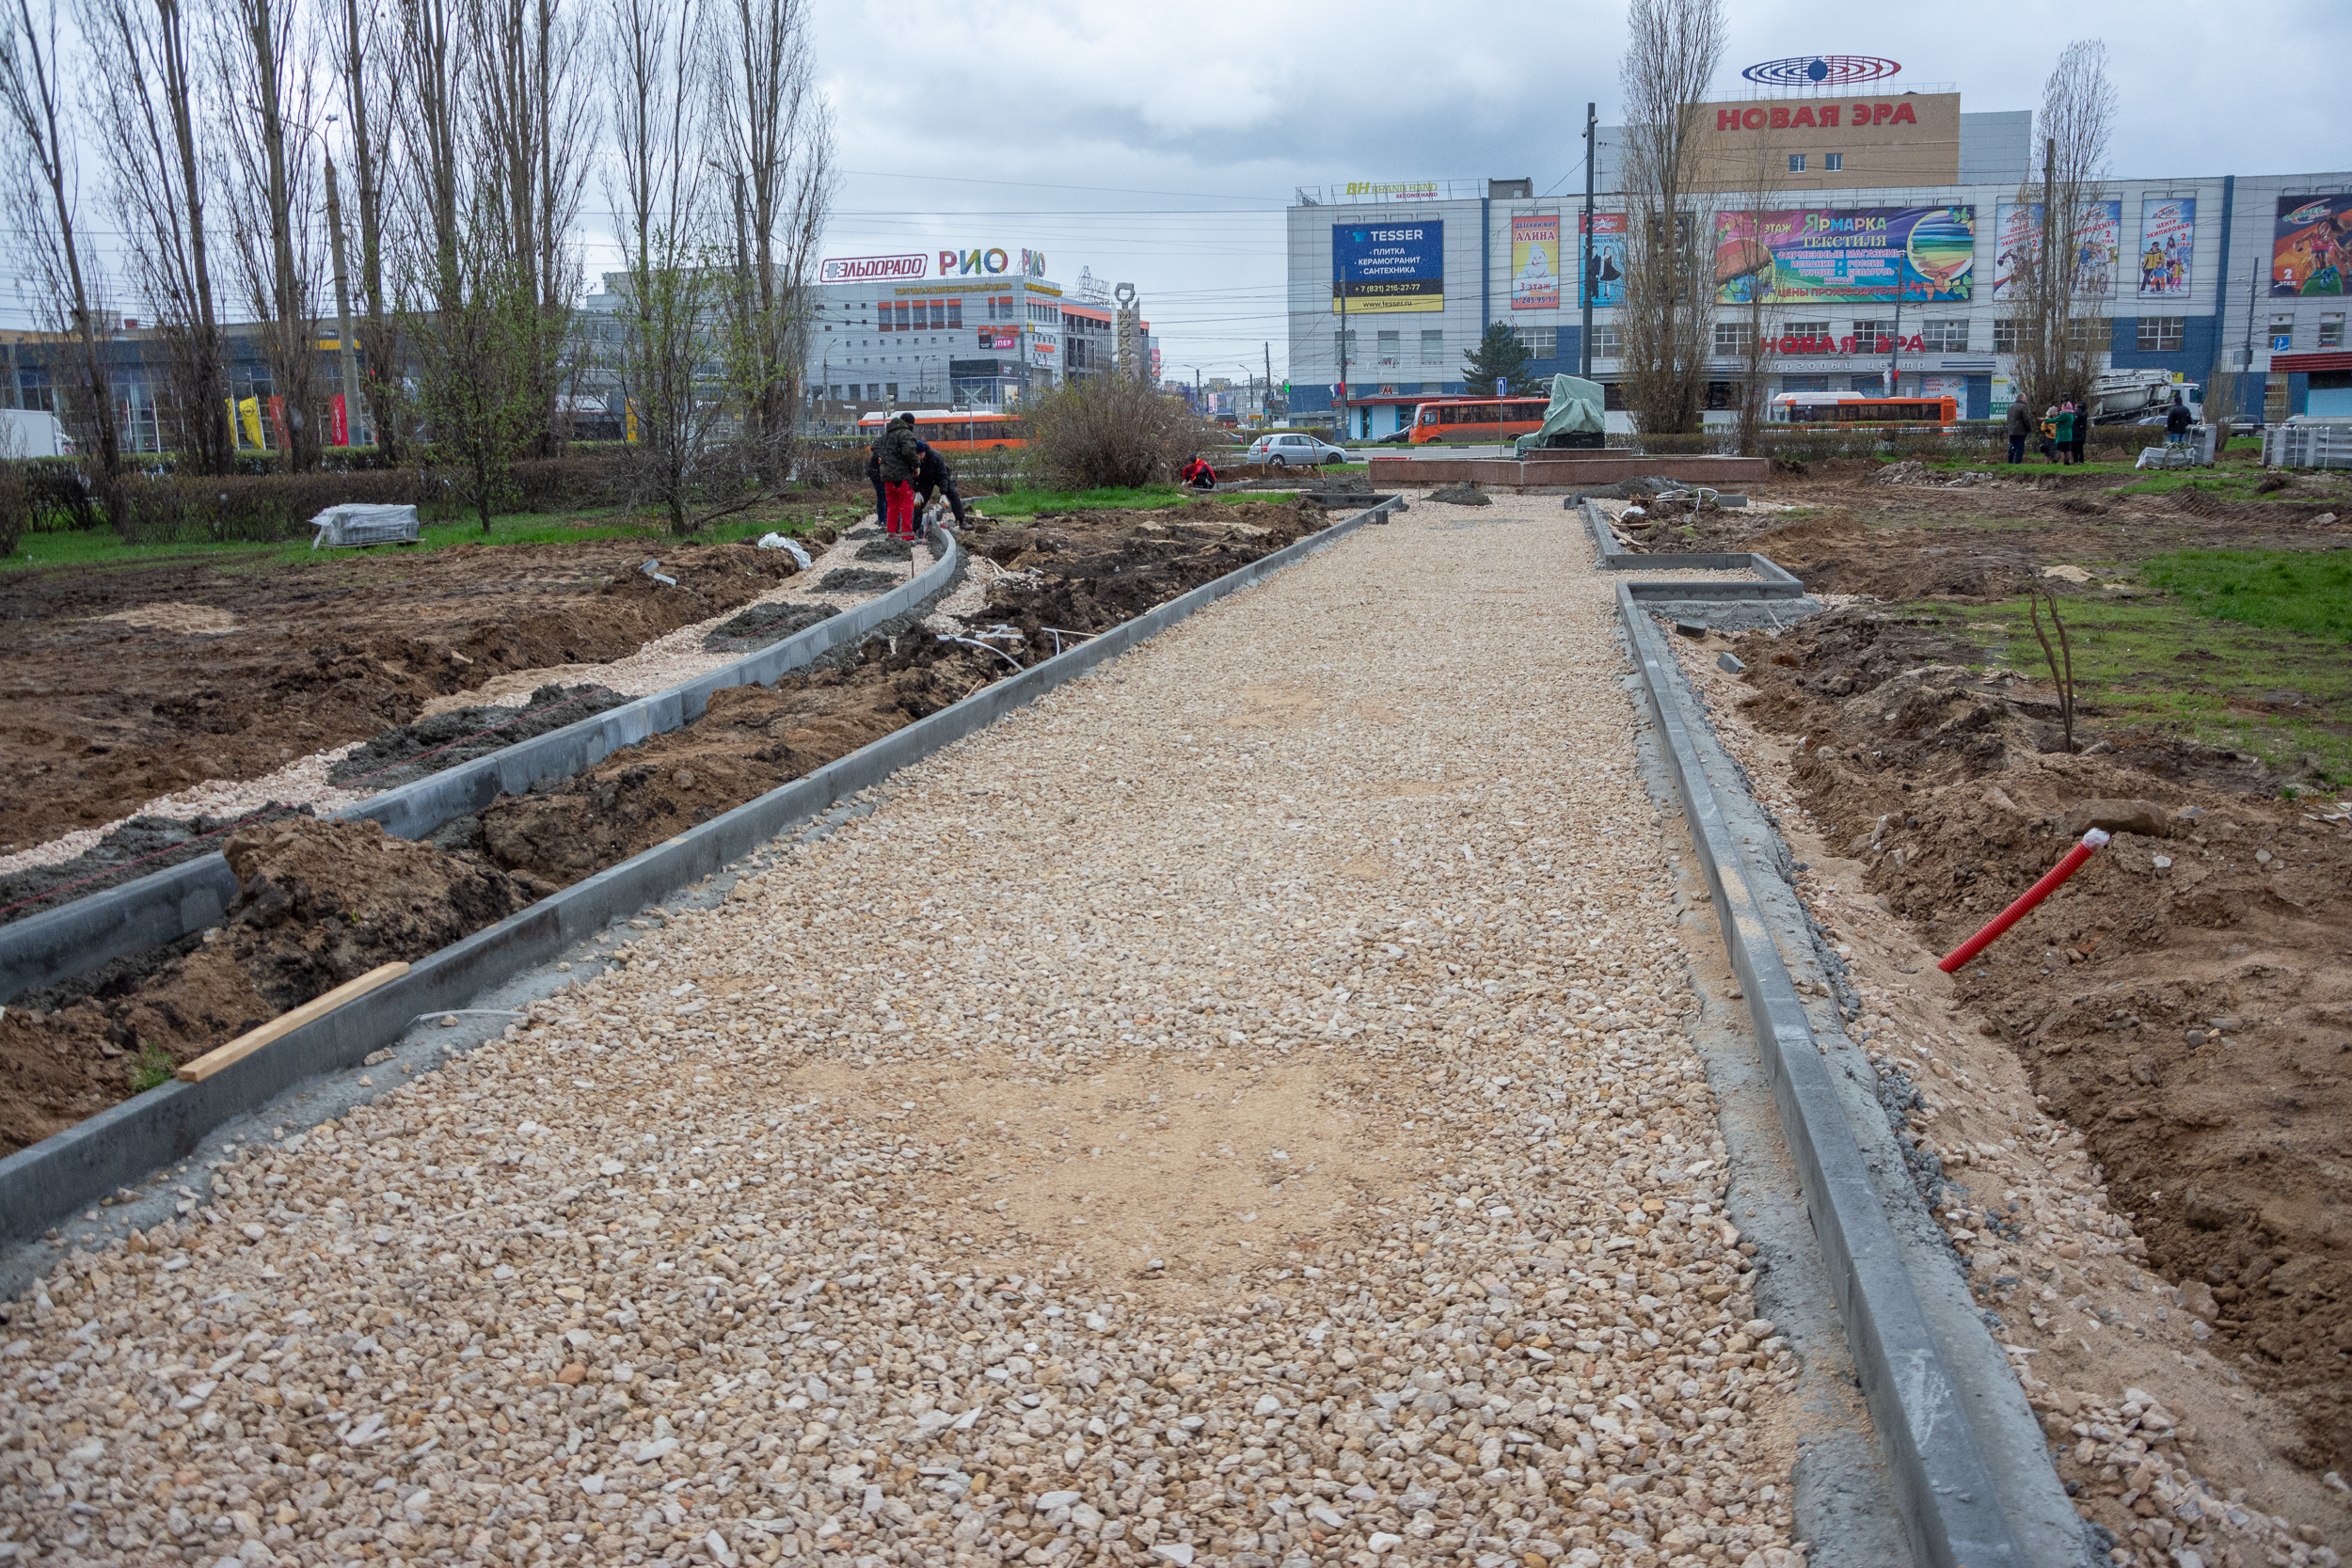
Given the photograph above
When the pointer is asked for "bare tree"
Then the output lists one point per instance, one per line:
(676, 293)
(43, 198)
(1666, 320)
(536, 124)
(143, 105)
(778, 154)
(2056, 287)
(1758, 325)
(271, 107)
(371, 105)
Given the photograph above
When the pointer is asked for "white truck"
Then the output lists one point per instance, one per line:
(31, 433)
(2120, 396)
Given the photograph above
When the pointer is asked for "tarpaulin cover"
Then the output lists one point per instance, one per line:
(355, 524)
(1576, 410)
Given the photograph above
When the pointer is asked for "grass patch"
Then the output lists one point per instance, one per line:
(151, 1069)
(2306, 592)
(99, 548)
(2281, 694)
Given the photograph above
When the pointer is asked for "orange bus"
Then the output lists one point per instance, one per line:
(1831, 409)
(1479, 419)
(953, 428)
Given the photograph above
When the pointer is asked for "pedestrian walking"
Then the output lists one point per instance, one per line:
(2176, 422)
(2020, 425)
(2082, 429)
(933, 477)
(897, 457)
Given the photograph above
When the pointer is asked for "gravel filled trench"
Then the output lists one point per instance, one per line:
(1236, 1111)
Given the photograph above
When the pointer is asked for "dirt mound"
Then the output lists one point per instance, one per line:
(1461, 495)
(767, 623)
(885, 549)
(1838, 554)
(104, 715)
(752, 740)
(1086, 571)
(318, 903)
(858, 580)
(463, 733)
(2182, 1000)
(139, 847)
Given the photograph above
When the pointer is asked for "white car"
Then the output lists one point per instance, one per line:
(1292, 451)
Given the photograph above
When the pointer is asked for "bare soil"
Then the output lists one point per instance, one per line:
(125, 683)
(2185, 999)
(320, 903)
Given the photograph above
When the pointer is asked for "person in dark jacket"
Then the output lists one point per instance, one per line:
(933, 477)
(873, 474)
(1197, 475)
(2176, 423)
(2020, 425)
(2082, 429)
(899, 456)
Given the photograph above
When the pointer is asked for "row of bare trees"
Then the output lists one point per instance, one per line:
(469, 134)
(1666, 323)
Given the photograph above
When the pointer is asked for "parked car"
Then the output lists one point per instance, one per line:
(1395, 438)
(1292, 451)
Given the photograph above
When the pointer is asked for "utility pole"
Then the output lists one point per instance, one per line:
(1342, 429)
(1266, 405)
(1585, 268)
(353, 419)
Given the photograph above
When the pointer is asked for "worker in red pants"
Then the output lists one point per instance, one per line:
(899, 456)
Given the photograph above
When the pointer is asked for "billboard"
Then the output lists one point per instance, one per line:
(2098, 245)
(1386, 267)
(1606, 243)
(1003, 337)
(867, 269)
(2167, 235)
(1536, 263)
(2312, 244)
(1862, 255)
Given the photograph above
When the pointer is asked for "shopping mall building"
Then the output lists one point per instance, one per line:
(974, 326)
(1891, 216)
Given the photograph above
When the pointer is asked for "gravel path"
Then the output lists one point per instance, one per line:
(1236, 1111)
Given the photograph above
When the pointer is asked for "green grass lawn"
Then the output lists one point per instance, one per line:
(2240, 648)
(99, 548)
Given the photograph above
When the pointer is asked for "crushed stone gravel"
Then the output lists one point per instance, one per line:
(1237, 1111)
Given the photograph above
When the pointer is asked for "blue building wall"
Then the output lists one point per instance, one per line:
(2199, 337)
(1979, 398)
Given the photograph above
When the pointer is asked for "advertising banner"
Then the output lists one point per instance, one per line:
(1606, 243)
(337, 421)
(1000, 337)
(2098, 245)
(1860, 255)
(1536, 263)
(2167, 235)
(2313, 244)
(865, 269)
(1953, 386)
(1389, 267)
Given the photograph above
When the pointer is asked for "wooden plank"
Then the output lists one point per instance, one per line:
(246, 1044)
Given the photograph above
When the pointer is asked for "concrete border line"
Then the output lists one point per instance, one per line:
(77, 937)
(1950, 1502)
(41, 1186)
(1777, 583)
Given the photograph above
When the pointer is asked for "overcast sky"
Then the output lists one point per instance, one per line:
(1189, 126)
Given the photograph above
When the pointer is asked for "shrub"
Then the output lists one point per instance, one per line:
(1109, 432)
(16, 504)
(252, 508)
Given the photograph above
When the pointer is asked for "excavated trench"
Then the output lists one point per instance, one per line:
(321, 902)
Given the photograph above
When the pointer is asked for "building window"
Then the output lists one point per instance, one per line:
(1869, 335)
(1833, 161)
(890, 391)
(2090, 334)
(1391, 350)
(1796, 163)
(2332, 331)
(2281, 333)
(873, 391)
(1946, 337)
(1606, 344)
(1734, 338)
(1539, 342)
(1433, 346)
(2159, 335)
(1816, 330)
(2006, 333)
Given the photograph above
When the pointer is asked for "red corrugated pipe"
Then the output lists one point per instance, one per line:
(2092, 842)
